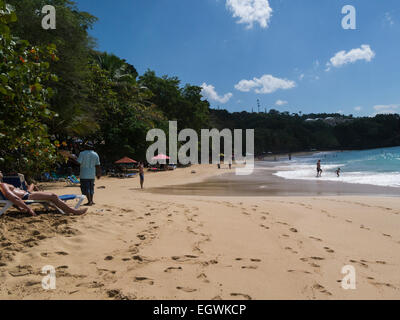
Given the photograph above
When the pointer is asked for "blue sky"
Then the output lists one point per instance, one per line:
(272, 50)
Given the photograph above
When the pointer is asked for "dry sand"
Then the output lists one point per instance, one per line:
(140, 245)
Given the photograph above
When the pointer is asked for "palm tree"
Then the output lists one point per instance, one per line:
(120, 71)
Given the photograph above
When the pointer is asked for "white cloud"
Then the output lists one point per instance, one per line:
(264, 85)
(251, 11)
(358, 109)
(342, 57)
(210, 93)
(387, 109)
(281, 103)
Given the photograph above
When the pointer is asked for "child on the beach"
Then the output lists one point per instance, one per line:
(338, 172)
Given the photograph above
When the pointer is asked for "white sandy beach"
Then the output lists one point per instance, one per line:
(139, 245)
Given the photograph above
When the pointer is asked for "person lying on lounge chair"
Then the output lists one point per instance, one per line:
(18, 196)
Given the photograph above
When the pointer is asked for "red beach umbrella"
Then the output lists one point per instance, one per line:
(126, 160)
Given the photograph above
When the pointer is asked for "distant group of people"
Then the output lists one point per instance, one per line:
(319, 170)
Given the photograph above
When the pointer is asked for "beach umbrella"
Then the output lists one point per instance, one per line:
(126, 160)
(161, 157)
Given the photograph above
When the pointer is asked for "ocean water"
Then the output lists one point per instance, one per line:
(379, 167)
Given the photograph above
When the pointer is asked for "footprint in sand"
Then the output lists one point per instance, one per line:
(291, 250)
(317, 258)
(108, 258)
(321, 289)
(144, 280)
(250, 267)
(170, 269)
(386, 235)
(21, 271)
(184, 258)
(138, 258)
(203, 277)
(301, 271)
(294, 230)
(187, 290)
(381, 284)
(329, 250)
(62, 253)
(361, 263)
(316, 239)
(241, 295)
(314, 265)
(264, 226)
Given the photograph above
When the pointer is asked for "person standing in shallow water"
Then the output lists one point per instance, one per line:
(141, 174)
(319, 169)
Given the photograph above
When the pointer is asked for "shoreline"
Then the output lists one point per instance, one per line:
(270, 185)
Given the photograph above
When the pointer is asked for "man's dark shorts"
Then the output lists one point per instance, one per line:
(87, 186)
(141, 176)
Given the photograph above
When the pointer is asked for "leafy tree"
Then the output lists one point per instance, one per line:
(24, 140)
(123, 108)
(184, 105)
(74, 47)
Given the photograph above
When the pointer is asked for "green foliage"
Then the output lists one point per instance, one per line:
(74, 46)
(284, 132)
(123, 109)
(24, 140)
(182, 104)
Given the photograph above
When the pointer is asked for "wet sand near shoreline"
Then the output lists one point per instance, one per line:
(262, 183)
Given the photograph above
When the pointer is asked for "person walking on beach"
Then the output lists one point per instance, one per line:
(338, 172)
(89, 162)
(319, 170)
(141, 174)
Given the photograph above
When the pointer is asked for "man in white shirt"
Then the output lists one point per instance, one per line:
(89, 162)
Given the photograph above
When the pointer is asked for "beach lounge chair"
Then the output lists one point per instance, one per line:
(73, 180)
(19, 182)
(7, 204)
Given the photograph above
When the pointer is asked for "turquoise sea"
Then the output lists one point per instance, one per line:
(376, 167)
